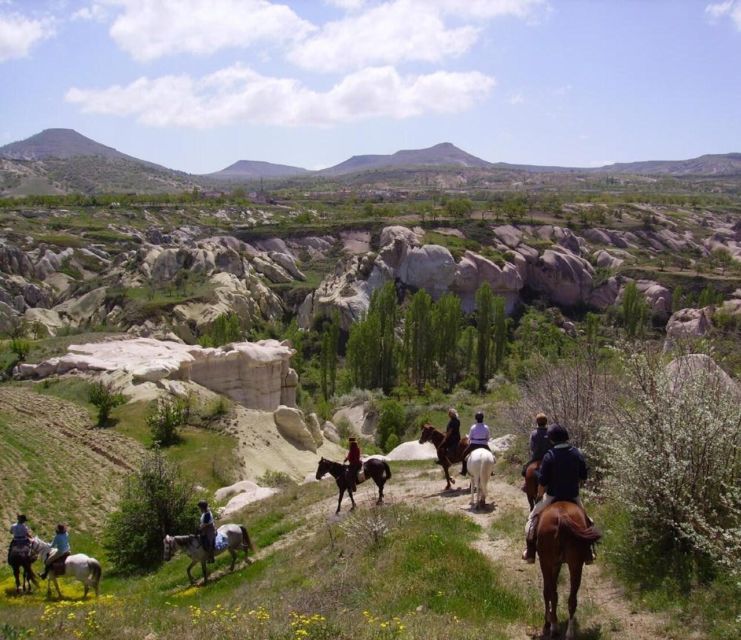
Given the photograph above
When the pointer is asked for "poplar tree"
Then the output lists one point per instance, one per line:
(447, 320)
(328, 357)
(419, 344)
(484, 329)
(500, 332)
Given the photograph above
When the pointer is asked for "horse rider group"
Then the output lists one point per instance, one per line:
(22, 538)
(561, 466)
(561, 470)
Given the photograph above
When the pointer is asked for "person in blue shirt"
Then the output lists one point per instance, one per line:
(562, 470)
(207, 530)
(60, 549)
(21, 534)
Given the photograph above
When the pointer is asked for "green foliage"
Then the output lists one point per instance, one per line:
(372, 349)
(419, 339)
(709, 296)
(104, 399)
(274, 479)
(634, 311)
(164, 419)
(458, 207)
(485, 328)
(500, 332)
(392, 422)
(328, 357)
(447, 320)
(20, 347)
(156, 501)
(223, 330)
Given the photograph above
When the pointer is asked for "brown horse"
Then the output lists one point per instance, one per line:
(531, 483)
(374, 468)
(430, 434)
(21, 557)
(563, 536)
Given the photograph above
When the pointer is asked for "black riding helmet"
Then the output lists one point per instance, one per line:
(557, 433)
(22, 518)
(479, 416)
(202, 504)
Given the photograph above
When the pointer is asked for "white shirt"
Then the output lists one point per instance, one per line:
(479, 434)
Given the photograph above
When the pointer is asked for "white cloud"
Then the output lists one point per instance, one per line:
(239, 94)
(348, 5)
(388, 33)
(149, 30)
(516, 98)
(489, 9)
(18, 34)
(730, 8)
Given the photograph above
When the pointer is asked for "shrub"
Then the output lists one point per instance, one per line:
(675, 458)
(164, 419)
(392, 421)
(156, 501)
(274, 479)
(102, 396)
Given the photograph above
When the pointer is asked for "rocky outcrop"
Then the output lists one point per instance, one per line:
(606, 260)
(699, 366)
(474, 270)
(329, 431)
(658, 298)
(292, 426)
(689, 323)
(255, 375)
(562, 277)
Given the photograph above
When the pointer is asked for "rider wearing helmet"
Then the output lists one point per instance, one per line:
(540, 443)
(60, 549)
(562, 469)
(21, 534)
(478, 438)
(207, 530)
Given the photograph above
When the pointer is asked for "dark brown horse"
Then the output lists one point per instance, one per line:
(531, 483)
(563, 537)
(21, 557)
(374, 468)
(445, 459)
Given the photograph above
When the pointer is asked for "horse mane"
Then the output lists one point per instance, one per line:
(183, 540)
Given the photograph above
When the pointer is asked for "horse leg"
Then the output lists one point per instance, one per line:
(575, 570)
(380, 484)
(205, 571)
(339, 500)
(448, 479)
(234, 558)
(352, 499)
(56, 585)
(87, 588)
(550, 599)
(190, 575)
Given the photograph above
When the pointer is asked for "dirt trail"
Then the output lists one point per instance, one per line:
(604, 610)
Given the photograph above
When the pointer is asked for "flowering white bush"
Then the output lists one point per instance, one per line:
(674, 454)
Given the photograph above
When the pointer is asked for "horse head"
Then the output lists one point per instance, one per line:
(169, 543)
(322, 468)
(426, 436)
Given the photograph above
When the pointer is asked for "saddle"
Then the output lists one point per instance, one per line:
(58, 567)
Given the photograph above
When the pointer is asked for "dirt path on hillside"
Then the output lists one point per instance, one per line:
(604, 611)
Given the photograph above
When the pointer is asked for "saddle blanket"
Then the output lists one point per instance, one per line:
(221, 542)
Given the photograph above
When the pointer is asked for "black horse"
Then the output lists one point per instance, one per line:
(374, 468)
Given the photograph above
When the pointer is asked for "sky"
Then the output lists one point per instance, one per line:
(196, 85)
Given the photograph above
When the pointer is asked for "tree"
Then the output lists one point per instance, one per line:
(384, 306)
(484, 328)
(419, 340)
(224, 329)
(458, 207)
(104, 399)
(447, 319)
(500, 331)
(164, 419)
(328, 356)
(391, 422)
(156, 501)
(634, 310)
(721, 258)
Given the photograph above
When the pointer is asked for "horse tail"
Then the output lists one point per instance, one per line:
(246, 542)
(95, 570)
(387, 469)
(588, 535)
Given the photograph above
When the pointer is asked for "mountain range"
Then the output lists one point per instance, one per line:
(63, 160)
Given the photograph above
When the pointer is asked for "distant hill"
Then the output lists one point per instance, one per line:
(728, 164)
(255, 169)
(59, 143)
(63, 160)
(444, 154)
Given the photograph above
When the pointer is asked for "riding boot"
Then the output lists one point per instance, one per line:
(529, 554)
(464, 468)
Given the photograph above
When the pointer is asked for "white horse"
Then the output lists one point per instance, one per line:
(480, 465)
(86, 569)
(236, 537)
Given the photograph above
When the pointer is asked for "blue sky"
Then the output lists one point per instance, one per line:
(199, 84)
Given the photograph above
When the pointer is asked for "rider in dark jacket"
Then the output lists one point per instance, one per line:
(452, 438)
(562, 470)
(539, 441)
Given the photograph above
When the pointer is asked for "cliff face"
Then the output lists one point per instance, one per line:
(256, 375)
